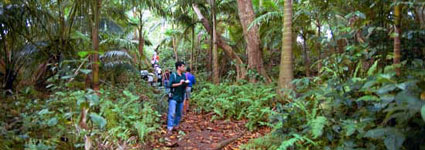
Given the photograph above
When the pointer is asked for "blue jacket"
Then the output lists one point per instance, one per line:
(191, 78)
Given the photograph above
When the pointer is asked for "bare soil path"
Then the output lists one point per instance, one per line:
(198, 132)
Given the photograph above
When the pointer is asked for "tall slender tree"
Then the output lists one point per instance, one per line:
(286, 62)
(305, 53)
(193, 45)
(397, 18)
(252, 38)
(319, 45)
(95, 44)
(215, 71)
(141, 38)
(241, 70)
(176, 55)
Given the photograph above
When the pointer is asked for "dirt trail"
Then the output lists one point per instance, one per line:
(196, 131)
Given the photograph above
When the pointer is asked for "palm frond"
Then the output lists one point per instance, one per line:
(107, 25)
(267, 17)
(115, 58)
(119, 42)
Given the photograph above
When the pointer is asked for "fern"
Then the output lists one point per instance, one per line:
(296, 137)
(317, 126)
(288, 143)
(250, 102)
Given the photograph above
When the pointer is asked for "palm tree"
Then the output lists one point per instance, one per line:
(28, 30)
(286, 64)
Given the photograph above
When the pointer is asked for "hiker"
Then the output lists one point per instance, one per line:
(159, 76)
(165, 78)
(178, 85)
(150, 78)
(192, 81)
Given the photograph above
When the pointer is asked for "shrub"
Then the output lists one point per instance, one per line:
(250, 101)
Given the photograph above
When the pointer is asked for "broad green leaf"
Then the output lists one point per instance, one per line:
(394, 34)
(85, 71)
(93, 99)
(368, 84)
(377, 133)
(361, 15)
(371, 29)
(67, 77)
(83, 54)
(373, 68)
(386, 88)
(44, 111)
(52, 122)
(386, 78)
(368, 98)
(98, 120)
(413, 102)
(386, 99)
(130, 95)
(349, 127)
(394, 140)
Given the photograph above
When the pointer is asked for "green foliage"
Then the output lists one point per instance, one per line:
(317, 126)
(98, 120)
(249, 101)
(113, 117)
(269, 142)
(374, 109)
(291, 142)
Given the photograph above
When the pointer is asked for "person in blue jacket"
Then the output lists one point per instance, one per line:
(192, 81)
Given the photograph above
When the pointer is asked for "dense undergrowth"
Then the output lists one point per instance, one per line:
(340, 109)
(370, 109)
(248, 101)
(68, 119)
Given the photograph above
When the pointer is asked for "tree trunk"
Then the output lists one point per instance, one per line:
(210, 59)
(175, 49)
(319, 47)
(252, 39)
(95, 40)
(198, 50)
(341, 43)
(240, 69)
(175, 45)
(286, 71)
(10, 78)
(216, 72)
(396, 60)
(193, 46)
(141, 39)
(420, 15)
(306, 57)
